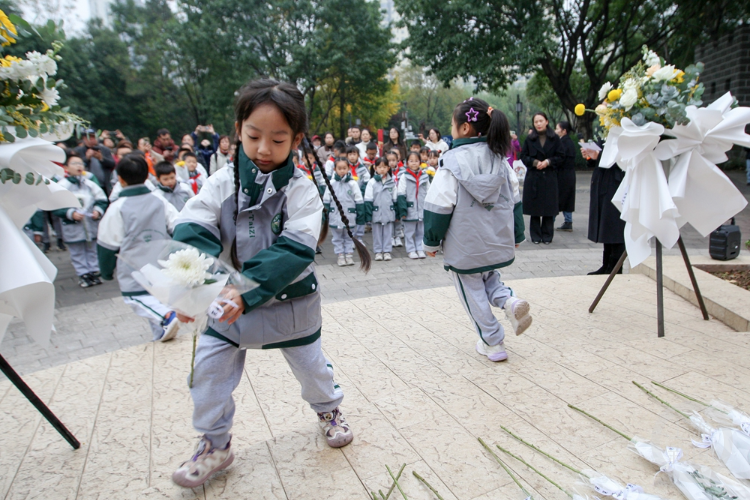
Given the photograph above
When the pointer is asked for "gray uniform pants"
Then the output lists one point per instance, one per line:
(84, 258)
(218, 371)
(382, 237)
(342, 243)
(477, 292)
(413, 234)
(359, 231)
(146, 306)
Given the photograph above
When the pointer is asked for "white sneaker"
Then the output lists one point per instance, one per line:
(386, 256)
(349, 260)
(413, 255)
(517, 312)
(341, 260)
(493, 352)
(203, 464)
(378, 256)
(335, 429)
(397, 242)
(421, 255)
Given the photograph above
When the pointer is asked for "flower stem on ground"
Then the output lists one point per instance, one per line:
(604, 424)
(507, 469)
(395, 482)
(192, 360)
(659, 399)
(542, 452)
(680, 394)
(534, 469)
(428, 485)
(385, 497)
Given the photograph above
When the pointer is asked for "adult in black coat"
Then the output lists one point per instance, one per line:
(566, 175)
(97, 159)
(605, 224)
(542, 155)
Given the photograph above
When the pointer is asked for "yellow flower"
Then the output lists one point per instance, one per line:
(7, 30)
(580, 109)
(9, 60)
(679, 78)
(45, 107)
(614, 95)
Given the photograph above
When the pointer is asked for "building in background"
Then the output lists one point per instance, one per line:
(727, 66)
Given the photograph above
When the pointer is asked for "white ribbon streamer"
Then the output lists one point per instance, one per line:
(731, 446)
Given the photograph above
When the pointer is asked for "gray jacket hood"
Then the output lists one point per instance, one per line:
(480, 171)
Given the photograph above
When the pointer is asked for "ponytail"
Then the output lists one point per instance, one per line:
(486, 122)
(364, 255)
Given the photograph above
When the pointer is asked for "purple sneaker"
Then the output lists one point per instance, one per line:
(493, 352)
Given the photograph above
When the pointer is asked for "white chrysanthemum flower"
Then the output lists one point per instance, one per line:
(45, 64)
(631, 83)
(188, 267)
(651, 58)
(604, 91)
(50, 96)
(629, 98)
(665, 74)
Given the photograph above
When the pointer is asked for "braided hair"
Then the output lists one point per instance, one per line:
(364, 255)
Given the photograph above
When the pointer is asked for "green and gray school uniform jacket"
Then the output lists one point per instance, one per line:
(130, 228)
(472, 209)
(412, 193)
(92, 199)
(276, 230)
(380, 200)
(361, 174)
(349, 195)
(177, 196)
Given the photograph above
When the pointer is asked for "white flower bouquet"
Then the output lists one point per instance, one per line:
(190, 282)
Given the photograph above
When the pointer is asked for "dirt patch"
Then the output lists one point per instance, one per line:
(739, 278)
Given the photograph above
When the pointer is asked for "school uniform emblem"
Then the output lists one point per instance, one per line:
(276, 224)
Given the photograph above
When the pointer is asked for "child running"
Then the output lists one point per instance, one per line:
(266, 216)
(412, 191)
(350, 202)
(130, 225)
(380, 209)
(472, 210)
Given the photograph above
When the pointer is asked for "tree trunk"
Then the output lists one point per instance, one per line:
(342, 121)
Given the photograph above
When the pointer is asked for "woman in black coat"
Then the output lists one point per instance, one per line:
(605, 224)
(542, 155)
(566, 175)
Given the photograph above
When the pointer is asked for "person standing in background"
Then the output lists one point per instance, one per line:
(566, 175)
(605, 224)
(97, 159)
(395, 142)
(542, 155)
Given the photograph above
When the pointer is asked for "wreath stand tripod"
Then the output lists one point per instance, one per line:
(14, 377)
(659, 284)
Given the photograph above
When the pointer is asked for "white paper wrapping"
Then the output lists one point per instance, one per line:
(26, 275)
(731, 446)
(608, 487)
(695, 482)
(697, 192)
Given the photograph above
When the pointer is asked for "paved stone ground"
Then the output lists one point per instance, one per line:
(416, 393)
(94, 320)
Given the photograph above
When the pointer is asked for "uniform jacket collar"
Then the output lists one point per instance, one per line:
(249, 171)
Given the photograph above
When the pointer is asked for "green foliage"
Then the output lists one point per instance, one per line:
(577, 45)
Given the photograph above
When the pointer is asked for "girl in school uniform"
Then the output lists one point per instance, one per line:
(380, 209)
(475, 214)
(350, 204)
(264, 215)
(412, 191)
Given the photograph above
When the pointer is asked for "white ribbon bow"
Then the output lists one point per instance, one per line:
(705, 442)
(704, 196)
(643, 198)
(672, 455)
(745, 426)
(619, 494)
(697, 193)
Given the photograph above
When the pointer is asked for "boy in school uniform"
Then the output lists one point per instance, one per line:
(129, 228)
(175, 192)
(80, 224)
